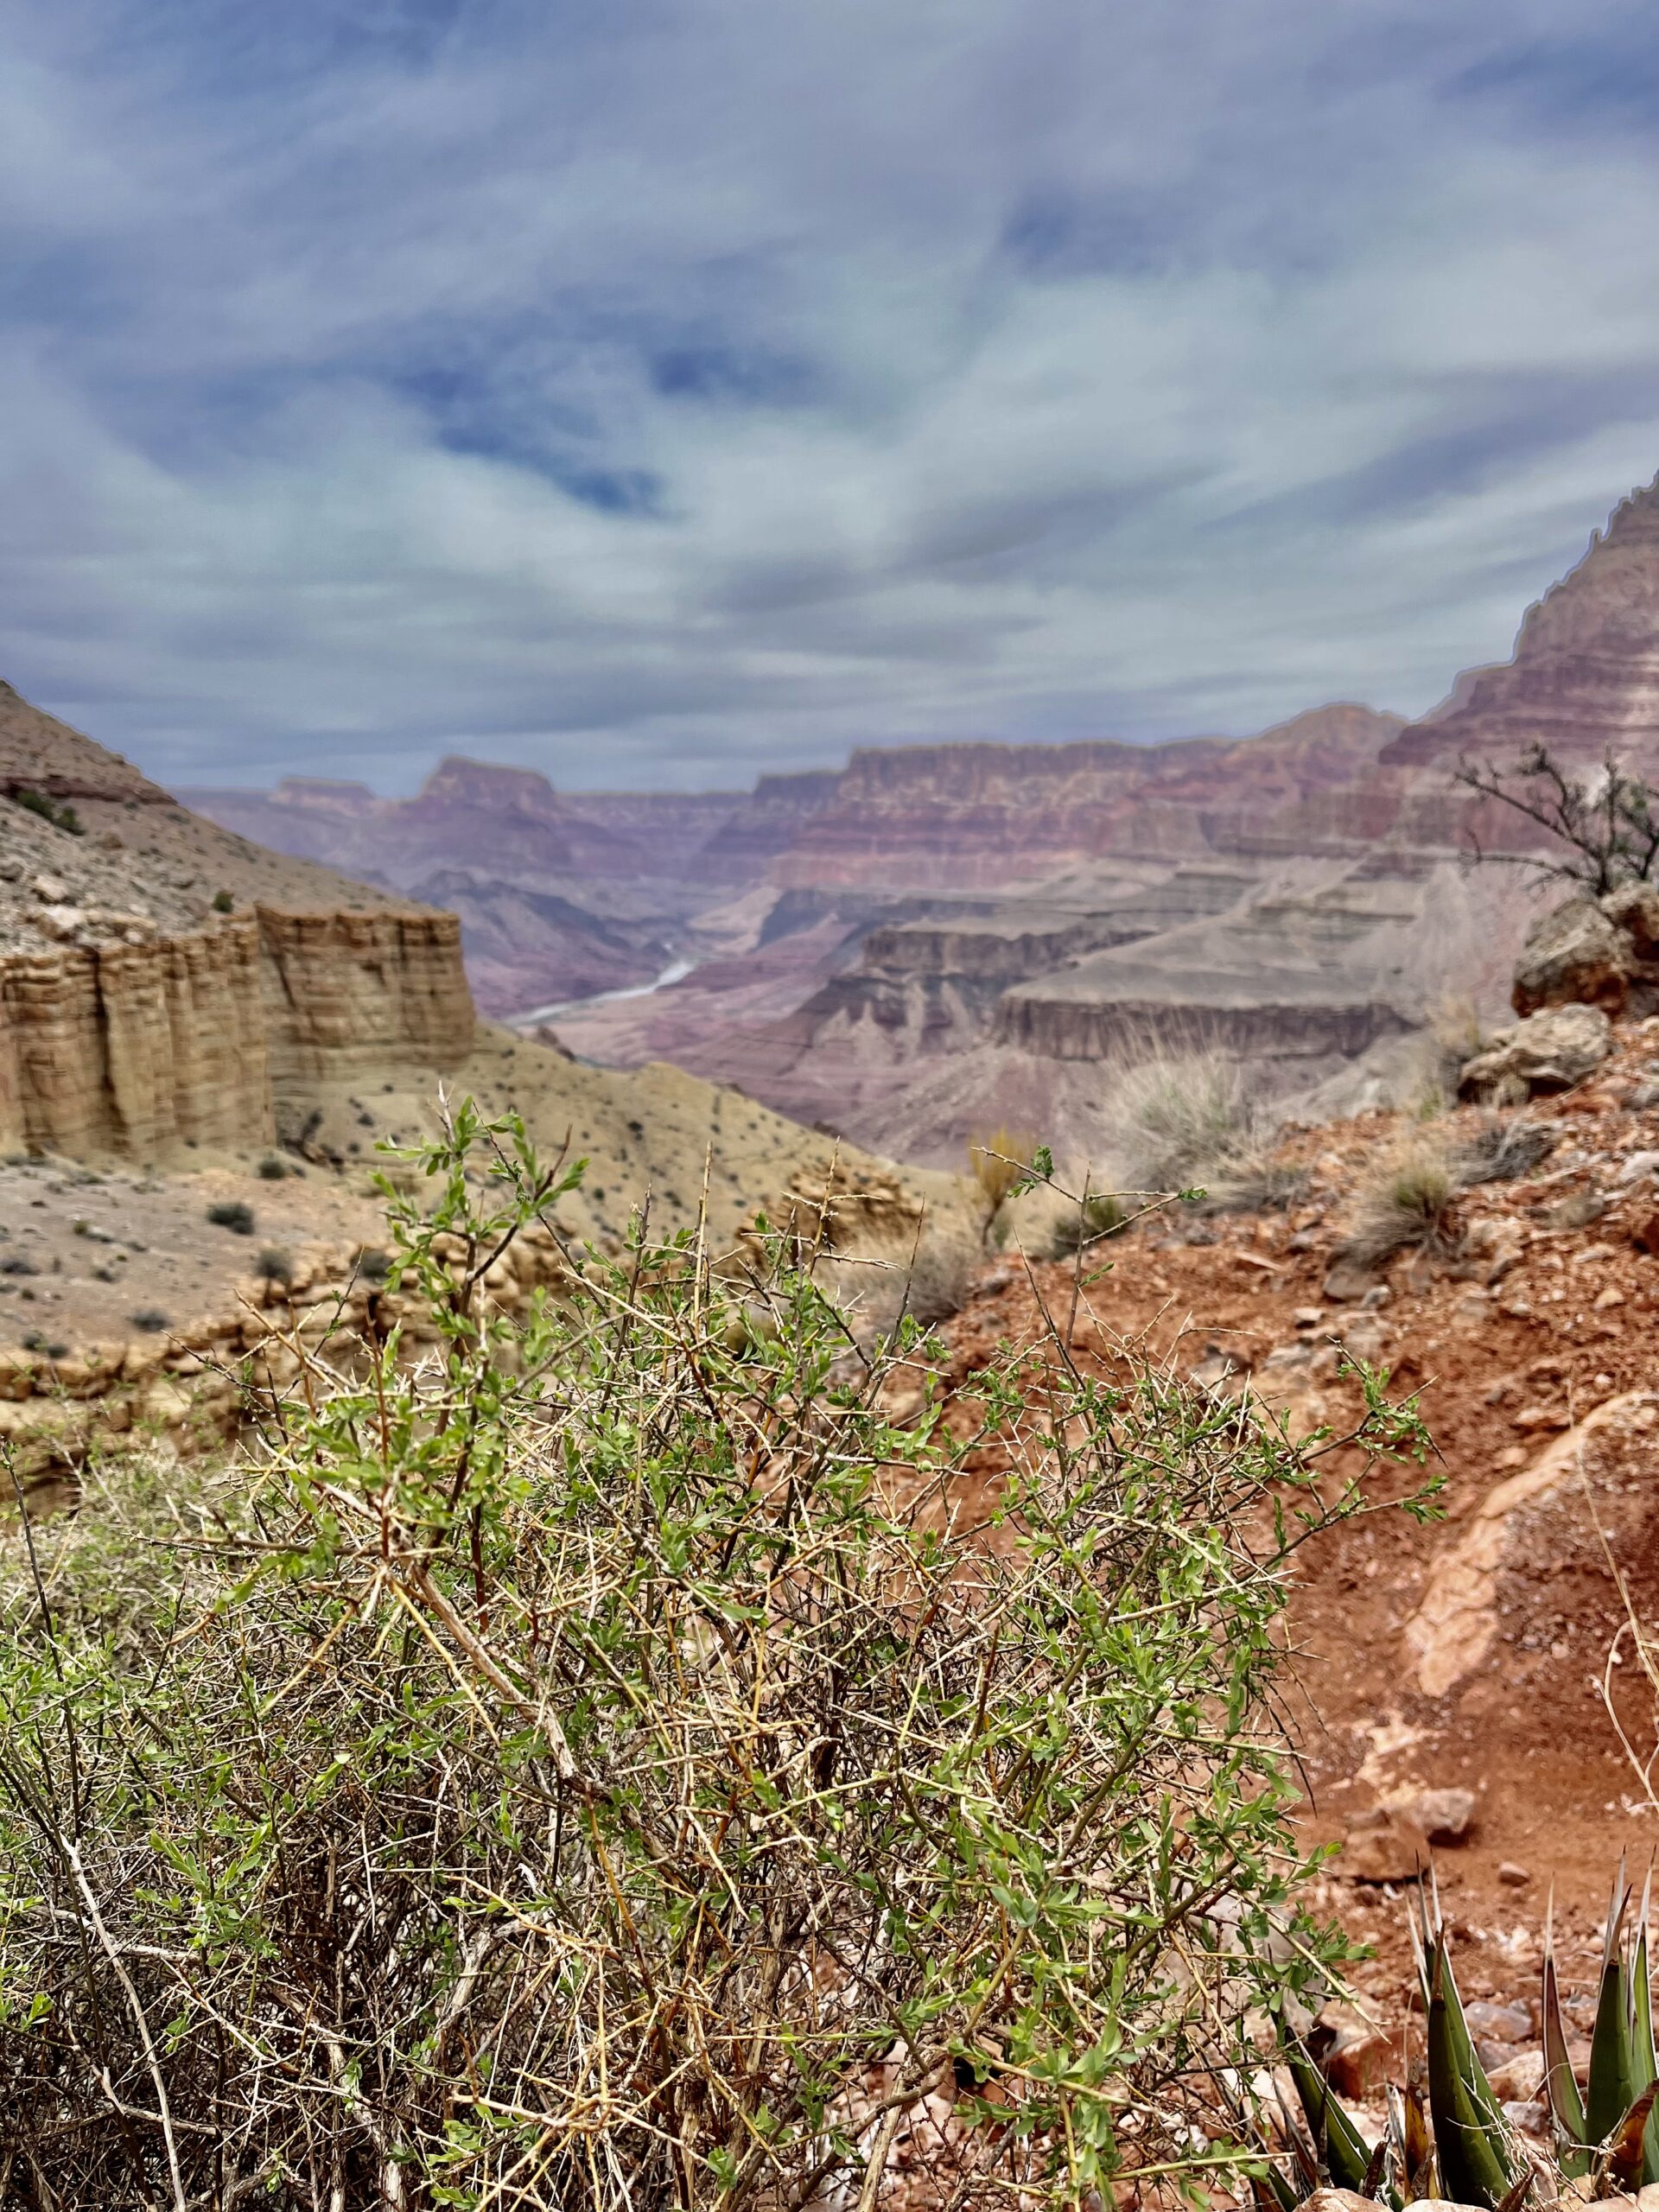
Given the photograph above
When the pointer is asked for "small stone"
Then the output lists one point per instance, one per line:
(1604, 1300)
(1647, 1236)
(1511, 1456)
(1539, 1417)
(1518, 2079)
(1444, 1815)
(50, 890)
(1511, 1875)
(1576, 1211)
(1499, 2023)
(1308, 1316)
(1382, 1846)
(1349, 1280)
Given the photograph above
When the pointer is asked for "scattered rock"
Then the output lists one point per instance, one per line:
(1499, 2023)
(1573, 955)
(1606, 1300)
(1444, 1816)
(1512, 1877)
(1540, 1417)
(1634, 908)
(1577, 1210)
(1382, 1846)
(1350, 1279)
(1545, 1053)
(1519, 2078)
(50, 890)
(1356, 2057)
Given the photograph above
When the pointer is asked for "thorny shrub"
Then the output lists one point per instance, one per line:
(606, 1762)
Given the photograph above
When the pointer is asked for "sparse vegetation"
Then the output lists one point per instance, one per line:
(60, 815)
(1405, 1201)
(1499, 1148)
(271, 1169)
(1180, 1121)
(597, 1768)
(1603, 829)
(997, 1161)
(149, 1321)
(223, 903)
(234, 1214)
(275, 1265)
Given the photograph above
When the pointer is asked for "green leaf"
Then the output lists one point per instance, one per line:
(1476, 2166)
(1339, 2144)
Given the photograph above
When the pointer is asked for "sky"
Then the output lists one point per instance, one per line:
(659, 392)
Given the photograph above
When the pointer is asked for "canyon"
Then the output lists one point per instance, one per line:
(941, 939)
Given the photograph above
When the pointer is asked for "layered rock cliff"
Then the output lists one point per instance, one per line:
(165, 985)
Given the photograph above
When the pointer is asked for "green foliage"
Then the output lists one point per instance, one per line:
(1608, 2135)
(593, 1764)
(60, 814)
(223, 903)
(234, 1214)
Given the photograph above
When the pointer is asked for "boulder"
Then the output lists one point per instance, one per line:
(1544, 1053)
(1382, 1846)
(1634, 909)
(1444, 1815)
(1574, 954)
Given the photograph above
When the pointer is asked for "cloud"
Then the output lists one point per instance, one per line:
(656, 395)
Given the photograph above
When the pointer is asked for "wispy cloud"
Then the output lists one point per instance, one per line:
(658, 393)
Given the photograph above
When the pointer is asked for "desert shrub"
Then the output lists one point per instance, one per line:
(373, 1265)
(59, 813)
(996, 1159)
(1499, 1148)
(274, 1264)
(1179, 1121)
(271, 1169)
(149, 1321)
(234, 1214)
(223, 903)
(1406, 1200)
(1600, 830)
(1097, 1214)
(599, 1766)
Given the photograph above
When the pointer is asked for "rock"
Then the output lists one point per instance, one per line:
(1573, 955)
(1444, 1816)
(1545, 1053)
(1577, 1210)
(1633, 909)
(1499, 2023)
(1646, 1237)
(1354, 2054)
(1540, 1417)
(1382, 1846)
(50, 890)
(1635, 1164)
(1348, 1278)
(1519, 2080)
(1604, 1300)
(1308, 1316)
(1511, 1875)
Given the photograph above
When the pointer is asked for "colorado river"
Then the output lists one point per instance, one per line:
(675, 971)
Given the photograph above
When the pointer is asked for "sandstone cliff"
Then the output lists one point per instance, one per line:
(165, 984)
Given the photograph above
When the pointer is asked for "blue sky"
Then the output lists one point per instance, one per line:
(662, 391)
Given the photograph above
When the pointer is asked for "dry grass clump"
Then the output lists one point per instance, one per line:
(597, 1766)
(1405, 1201)
(1499, 1148)
(1183, 1120)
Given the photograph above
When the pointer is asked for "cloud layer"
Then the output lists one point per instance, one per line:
(659, 393)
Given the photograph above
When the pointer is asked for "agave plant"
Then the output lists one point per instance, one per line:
(1462, 2146)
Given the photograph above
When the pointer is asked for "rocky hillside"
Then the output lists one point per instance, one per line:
(1469, 1676)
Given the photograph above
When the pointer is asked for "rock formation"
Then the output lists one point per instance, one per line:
(165, 984)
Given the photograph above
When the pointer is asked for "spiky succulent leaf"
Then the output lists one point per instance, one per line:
(1645, 2060)
(1612, 2085)
(1565, 2105)
(1477, 2165)
(1625, 2143)
(1343, 2150)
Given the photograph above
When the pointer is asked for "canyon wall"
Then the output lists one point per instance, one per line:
(166, 984)
(136, 1049)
